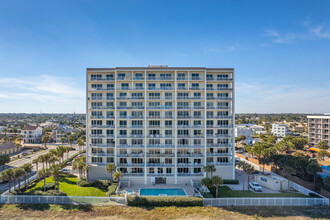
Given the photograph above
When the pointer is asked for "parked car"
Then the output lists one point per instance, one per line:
(35, 149)
(25, 153)
(65, 171)
(256, 187)
(69, 163)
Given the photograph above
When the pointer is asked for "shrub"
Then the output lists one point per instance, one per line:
(84, 183)
(112, 189)
(207, 195)
(56, 193)
(50, 186)
(101, 184)
(179, 201)
(229, 181)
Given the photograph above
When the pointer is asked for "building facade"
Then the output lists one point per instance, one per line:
(247, 131)
(318, 129)
(31, 134)
(160, 124)
(280, 130)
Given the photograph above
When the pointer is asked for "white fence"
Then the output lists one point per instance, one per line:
(266, 202)
(72, 200)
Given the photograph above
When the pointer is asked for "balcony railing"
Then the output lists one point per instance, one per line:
(190, 155)
(103, 154)
(218, 154)
(160, 88)
(103, 79)
(160, 146)
(190, 174)
(102, 99)
(101, 107)
(219, 116)
(131, 155)
(102, 145)
(130, 164)
(190, 164)
(131, 146)
(160, 174)
(102, 89)
(160, 165)
(160, 155)
(133, 174)
(102, 126)
(218, 88)
(160, 98)
(159, 78)
(218, 78)
(218, 107)
(160, 107)
(129, 98)
(189, 146)
(218, 98)
(103, 117)
(220, 163)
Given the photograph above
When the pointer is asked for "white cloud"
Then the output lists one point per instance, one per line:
(320, 31)
(279, 38)
(42, 91)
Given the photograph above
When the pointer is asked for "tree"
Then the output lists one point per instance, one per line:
(207, 182)
(299, 143)
(70, 139)
(55, 172)
(80, 143)
(216, 181)
(67, 150)
(43, 174)
(4, 159)
(7, 175)
(209, 169)
(27, 169)
(116, 176)
(45, 139)
(18, 173)
(247, 168)
(323, 145)
(322, 155)
(284, 146)
(80, 165)
(63, 140)
(110, 168)
(288, 171)
(42, 159)
(36, 162)
(312, 168)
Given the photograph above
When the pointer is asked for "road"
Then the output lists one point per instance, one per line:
(29, 159)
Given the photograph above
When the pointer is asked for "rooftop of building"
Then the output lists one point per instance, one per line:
(158, 67)
(30, 128)
(325, 115)
(7, 145)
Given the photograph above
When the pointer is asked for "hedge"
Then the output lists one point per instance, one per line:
(157, 201)
(112, 189)
(229, 181)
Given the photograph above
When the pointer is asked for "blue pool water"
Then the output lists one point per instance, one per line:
(162, 192)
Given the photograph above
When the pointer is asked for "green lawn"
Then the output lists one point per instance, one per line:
(225, 191)
(68, 184)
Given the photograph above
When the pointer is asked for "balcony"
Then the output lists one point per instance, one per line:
(160, 88)
(219, 126)
(123, 78)
(189, 146)
(102, 79)
(220, 163)
(219, 78)
(102, 89)
(130, 155)
(190, 155)
(160, 155)
(129, 98)
(182, 88)
(160, 146)
(102, 135)
(160, 174)
(130, 107)
(102, 99)
(130, 164)
(190, 165)
(218, 135)
(160, 165)
(102, 145)
(101, 107)
(159, 78)
(219, 117)
(131, 146)
(219, 89)
(160, 107)
(218, 154)
(138, 78)
(196, 88)
(220, 145)
(190, 126)
(103, 154)
(160, 98)
(225, 98)
(191, 116)
(130, 136)
(182, 78)
(102, 126)
(124, 88)
(191, 97)
(190, 174)
(196, 78)
(103, 117)
(218, 107)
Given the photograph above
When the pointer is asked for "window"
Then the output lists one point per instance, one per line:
(151, 86)
(121, 76)
(96, 96)
(195, 76)
(139, 76)
(96, 77)
(151, 76)
(124, 86)
(97, 86)
(181, 76)
(139, 85)
(195, 86)
(181, 85)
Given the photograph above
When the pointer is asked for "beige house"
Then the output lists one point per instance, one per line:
(9, 148)
(160, 124)
(31, 134)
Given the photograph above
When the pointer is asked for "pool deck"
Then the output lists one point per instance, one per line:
(190, 191)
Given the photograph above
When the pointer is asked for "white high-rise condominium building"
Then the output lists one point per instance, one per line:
(160, 124)
(318, 129)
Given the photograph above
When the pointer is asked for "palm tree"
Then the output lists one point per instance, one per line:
(43, 174)
(80, 143)
(18, 173)
(60, 151)
(45, 139)
(63, 140)
(42, 158)
(36, 162)
(80, 165)
(209, 169)
(55, 172)
(216, 181)
(67, 150)
(207, 182)
(27, 168)
(4, 159)
(116, 176)
(247, 168)
(7, 175)
(110, 168)
(47, 157)
(70, 140)
(53, 160)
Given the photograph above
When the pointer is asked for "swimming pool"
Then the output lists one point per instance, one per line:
(162, 192)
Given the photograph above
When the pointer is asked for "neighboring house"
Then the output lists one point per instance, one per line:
(244, 130)
(258, 129)
(9, 148)
(62, 131)
(31, 134)
(318, 129)
(49, 124)
(280, 130)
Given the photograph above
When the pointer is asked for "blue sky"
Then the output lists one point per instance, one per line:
(280, 49)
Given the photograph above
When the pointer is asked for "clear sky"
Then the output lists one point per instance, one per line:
(280, 49)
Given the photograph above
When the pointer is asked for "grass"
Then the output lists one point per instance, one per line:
(225, 191)
(68, 184)
(49, 211)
